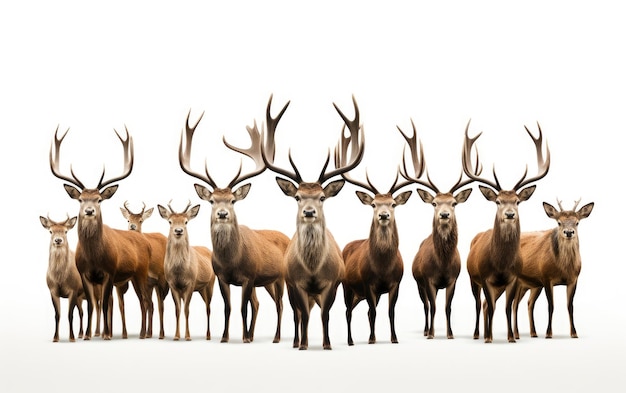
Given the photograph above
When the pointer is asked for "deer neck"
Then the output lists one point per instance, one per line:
(445, 239)
(312, 243)
(60, 261)
(91, 235)
(226, 240)
(178, 251)
(566, 252)
(383, 239)
(505, 242)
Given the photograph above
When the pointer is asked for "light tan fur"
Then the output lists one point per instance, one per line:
(188, 268)
(549, 258)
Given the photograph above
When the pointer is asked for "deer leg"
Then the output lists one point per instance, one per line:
(431, 295)
(72, 302)
(488, 312)
(511, 292)
(422, 293)
(516, 301)
(550, 298)
(534, 294)
(207, 294)
(449, 295)
(276, 292)
(187, 301)
(248, 295)
(571, 290)
(254, 303)
(107, 301)
(296, 315)
(150, 311)
(476, 292)
(301, 299)
(370, 297)
(56, 303)
(121, 290)
(91, 300)
(225, 290)
(79, 305)
(393, 299)
(176, 297)
(161, 293)
(348, 297)
(328, 299)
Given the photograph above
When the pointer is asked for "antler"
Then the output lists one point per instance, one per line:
(419, 162)
(268, 149)
(184, 153)
(128, 160)
(576, 202)
(357, 148)
(143, 209)
(254, 152)
(542, 165)
(55, 148)
(474, 171)
(169, 205)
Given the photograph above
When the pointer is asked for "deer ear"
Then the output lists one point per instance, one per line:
(402, 198)
(333, 188)
(463, 195)
(44, 222)
(163, 212)
(425, 195)
(242, 192)
(72, 191)
(526, 193)
(488, 193)
(125, 212)
(193, 212)
(202, 192)
(71, 222)
(364, 197)
(550, 210)
(585, 211)
(148, 213)
(108, 192)
(287, 186)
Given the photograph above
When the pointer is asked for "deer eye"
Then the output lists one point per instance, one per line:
(434, 204)
(297, 198)
(322, 198)
(454, 204)
(498, 202)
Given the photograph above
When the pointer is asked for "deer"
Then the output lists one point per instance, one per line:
(242, 256)
(62, 276)
(105, 256)
(188, 269)
(315, 265)
(437, 263)
(156, 275)
(374, 265)
(549, 258)
(494, 260)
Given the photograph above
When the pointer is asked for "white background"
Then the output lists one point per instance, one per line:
(98, 67)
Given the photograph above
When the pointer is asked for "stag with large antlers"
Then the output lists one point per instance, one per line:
(374, 266)
(62, 277)
(188, 268)
(549, 258)
(494, 261)
(437, 263)
(242, 256)
(105, 256)
(315, 265)
(156, 274)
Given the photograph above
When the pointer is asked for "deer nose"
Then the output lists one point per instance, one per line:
(383, 216)
(222, 214)
(178, 231)
(509, 215)
(444, 215)
(308, 213)
(569, 233)
(90, 211)
(58, 240)
(133, 227)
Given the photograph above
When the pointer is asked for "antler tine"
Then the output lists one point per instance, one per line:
(558, 201)
(576, 202)
(254, 152)
(55, 148)
(126, 206)
(543, 165)
(184, 153)
(169, 206)
(473, 171)
(418, 160)
(357, 148)
(129, 158)
(268, 148)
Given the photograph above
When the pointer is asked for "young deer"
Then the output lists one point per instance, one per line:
(62, 277)
(242, 256)
(156, 274)
(105, 256)
(550, 258)
(437, 263)
(315, 266)
(188, 268)
(494, 261)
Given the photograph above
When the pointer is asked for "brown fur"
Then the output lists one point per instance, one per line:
(549, 258)
(437, 263)
(315, 265)
(156, 274)
(374, 265)
(187, 268)
(62, 277)
(494, 261)
(244, 257)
